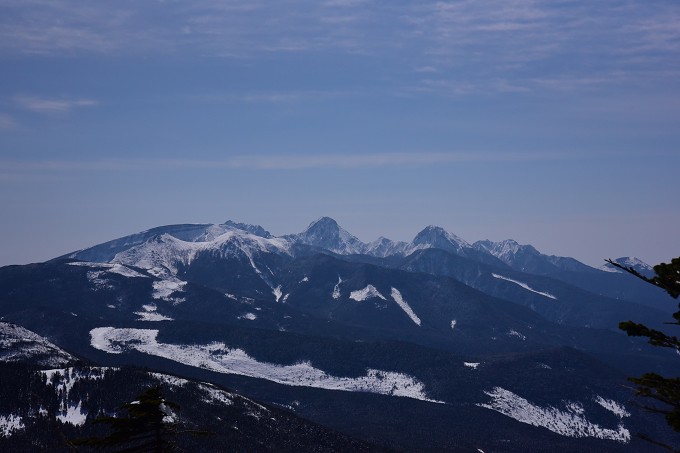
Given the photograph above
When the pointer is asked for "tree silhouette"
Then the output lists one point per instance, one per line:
(659, 389)
(150, 426)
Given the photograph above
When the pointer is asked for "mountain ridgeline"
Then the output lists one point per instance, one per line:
(433, 344)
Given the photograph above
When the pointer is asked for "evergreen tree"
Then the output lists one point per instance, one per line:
(664, 393)
(149, 426)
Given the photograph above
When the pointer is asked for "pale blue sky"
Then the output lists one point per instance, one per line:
(553, 123)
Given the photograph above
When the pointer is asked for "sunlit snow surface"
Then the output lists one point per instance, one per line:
(568, 422)
(220, 358)
(524, 285)
(396, 295)
(367, 293)
(111, 268)
(167, 252)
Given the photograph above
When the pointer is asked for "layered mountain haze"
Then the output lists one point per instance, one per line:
(435, 332)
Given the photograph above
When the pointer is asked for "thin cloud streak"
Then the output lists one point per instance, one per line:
(43, 105)
(284, 162)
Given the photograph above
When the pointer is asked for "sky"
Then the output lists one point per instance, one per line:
(554, 123)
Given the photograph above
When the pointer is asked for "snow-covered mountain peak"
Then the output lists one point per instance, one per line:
(632, 262)
(437, 237)
(505, 250)
(322, 224)
(257, 230)
(327, 234)
(165, 252)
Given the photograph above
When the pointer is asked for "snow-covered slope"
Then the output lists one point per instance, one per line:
(220, 358)
(163, 254)
(436, 237)
(325, 233)
(631, 262)
(19, 344)
(525, 258)
(568, 421)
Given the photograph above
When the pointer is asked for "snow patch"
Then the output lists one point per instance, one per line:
(570, 422)
(277, 293)
(74, 415)
(453, 324)
(98, 283)
(248, 316)
(216, 395)
(151, 316)
(163, 290)
(514, 333)
(612, 406)
(305, 279)
(472, 365)
(396, 295)
(367, 293)
(170, 379)
(336, 289)
(220, 358)
(111, 268)
(9, 424)
(525, 286)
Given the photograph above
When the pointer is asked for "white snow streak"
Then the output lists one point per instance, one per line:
(336, 289)
(366, 293)
(222, 359)
(277, 293)
(569, 422)
(112, 268)
(151, 316)
(472, 365)
(396, 295)
(524, 285)
(612, 406)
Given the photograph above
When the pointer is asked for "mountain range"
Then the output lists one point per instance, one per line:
(434, 344)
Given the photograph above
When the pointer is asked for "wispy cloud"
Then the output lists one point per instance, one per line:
(52, 105)
(285, 162)
(481, 42)
(6, 121)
